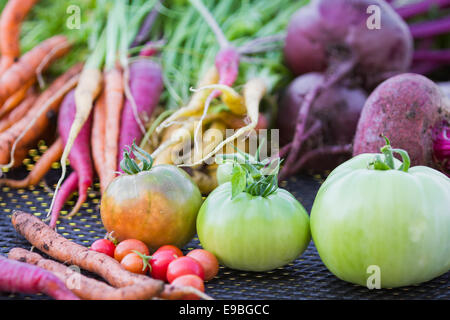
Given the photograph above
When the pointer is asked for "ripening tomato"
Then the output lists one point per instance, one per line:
(127, 246)
(159, 263)
(190, 280)
(183, 266)
(175, 250)
(134, 263)
(104, 246)
(207, 260)
(158, 205)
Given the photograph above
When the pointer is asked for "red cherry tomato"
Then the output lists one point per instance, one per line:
(190, 280)
(171, 248)
(127, 246)
(159, 263)
(208, 261)
(104, 246)
(182, 266)
(134, 263)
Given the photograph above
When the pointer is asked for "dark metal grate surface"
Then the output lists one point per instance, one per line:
(305, 278)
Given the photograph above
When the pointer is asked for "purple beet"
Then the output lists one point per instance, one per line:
(414, 114)
(333, 119)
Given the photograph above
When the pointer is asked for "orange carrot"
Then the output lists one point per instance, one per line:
(16, 98)
(10, 23)
(39, 170)
(25, 69)
(98, 139)
(24, 133)
(114, 102)
(18, 113)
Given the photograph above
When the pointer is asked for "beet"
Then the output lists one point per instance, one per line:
(333, 37)
(335, 114)
(328, 30)
(413, 113)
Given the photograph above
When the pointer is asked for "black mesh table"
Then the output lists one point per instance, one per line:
(305, 278)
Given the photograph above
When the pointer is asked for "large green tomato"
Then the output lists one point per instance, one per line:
(253, 233)
(390, 222)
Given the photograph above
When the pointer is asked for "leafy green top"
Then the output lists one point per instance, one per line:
(388, 162)
(253, 175)
(130, 166)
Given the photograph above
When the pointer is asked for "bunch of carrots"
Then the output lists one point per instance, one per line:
(111, 99)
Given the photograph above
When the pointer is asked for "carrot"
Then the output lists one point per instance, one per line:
(25, 133)
(196, 103)
(18, 113)
(25, 69)
(80, 154)
(16, 98)
(16, 276)
(254, 90)
(69, 186)
(98, 139)
(87, 90)
(114, 102)
(10, 23)
(88, 288)
(39, 170)
(56, 246)
(145, 86)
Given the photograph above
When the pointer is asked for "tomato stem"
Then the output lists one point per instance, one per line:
(388, 163)
(145, 260)
(130, 166)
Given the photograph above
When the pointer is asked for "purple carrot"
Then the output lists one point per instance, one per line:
(146, 26)
(16, 276)
(430, 28)
(146, 85)
(80, 154)
(69, 186)
(414, 9)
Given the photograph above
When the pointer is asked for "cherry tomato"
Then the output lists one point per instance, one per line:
(183, 266)
(208, 261)
(190, 280)
(127, 246)
(104, 246)
(159, 263)
(171, 248)
(134, 263)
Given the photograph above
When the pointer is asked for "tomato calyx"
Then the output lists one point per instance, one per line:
(130, 166)
(109, 236)
(388, 162)
(253, 175)
(145, 260)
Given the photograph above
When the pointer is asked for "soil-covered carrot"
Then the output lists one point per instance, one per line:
(18, 113)
(16, 276)
(88, 288)
(39, 170)
(98, 139)
(14, 101)
(56, 246)
(24, 134)
(10, 22)
(25, 69)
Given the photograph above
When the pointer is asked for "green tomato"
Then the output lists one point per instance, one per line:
(397, 221)
(253, 233)
(223, 173)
